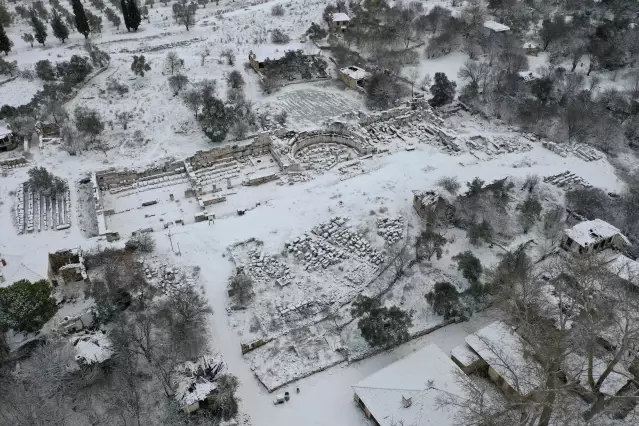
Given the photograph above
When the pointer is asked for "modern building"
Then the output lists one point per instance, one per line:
(592, 236)
(408, 392)
(354, 77)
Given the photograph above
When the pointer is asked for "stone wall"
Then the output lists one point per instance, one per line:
(113, 178)
(261, 145)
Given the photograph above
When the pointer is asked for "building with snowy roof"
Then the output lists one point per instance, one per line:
(510, 360)
(195, 382)
(625, 268)
(496, 27)
(266, 53)
(92, 348)
(407, 391)
(12, 270)
(339, 21)
(7, 139)
(430, 204)
(592, 236)
(354, 77)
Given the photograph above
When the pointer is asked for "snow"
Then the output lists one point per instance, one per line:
(15, 270)
(92, 348)
(576, 367)
(4, 131)
(465, 355)
(624, 267)
(591, 231)
(496, 26)
(356, 73)
(340, 17)
(506, 353)
(422, 378)
(277, 51)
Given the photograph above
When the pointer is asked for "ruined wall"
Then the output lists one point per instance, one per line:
(261, 145)
(113, 178)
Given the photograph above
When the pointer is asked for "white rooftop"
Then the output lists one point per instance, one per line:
(92, 348)
(576, 367)
(427, 197)
(496, 26)
(509, 355)
(356, 73)
(625, 268)
(277, 51)
(464, 354)
(424, 377)
(340, 17)
(195, 380)
(593, 231)
(4, 131)
(15, 270)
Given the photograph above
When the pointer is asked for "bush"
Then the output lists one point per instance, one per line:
(279, 37)
(444, 299)
(277, 10)
(241, 289)
(469, 265)
(450, 184)
(142, 241)
(381, 326)
(45, 71)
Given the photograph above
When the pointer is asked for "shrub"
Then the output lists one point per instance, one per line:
(279, 37)
(44, 70)
(277, 10)
(26, 307)
(450, 184)
(444, 299)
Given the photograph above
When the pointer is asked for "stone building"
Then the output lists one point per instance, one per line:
(7, 139)
(354, 77)
(592, 236)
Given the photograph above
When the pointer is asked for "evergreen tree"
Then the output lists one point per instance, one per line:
(25, 307)
(5, 43)
(81, 22)
(443, 90)
(39, 30)
(134, 15)
(60, 30)
(125, 14)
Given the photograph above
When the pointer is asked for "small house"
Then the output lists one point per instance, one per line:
(511, 364)
(531, 48)
(593, 236)
(493, 27)
(467, 359)
(7, 139)
(409, 391)
(260, 59)
(430, 204)
(354, 77)
(195, 382)
(339, 22)
(92, 348)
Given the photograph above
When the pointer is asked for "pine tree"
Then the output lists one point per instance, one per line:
(39, 30)
(125, 14)
(134, 15)
(5, 43)
(81, 22)
(60, 30)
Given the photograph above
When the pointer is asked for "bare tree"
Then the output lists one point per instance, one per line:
(173, 62)
(241, 288)
(124, 117)
(193, 100)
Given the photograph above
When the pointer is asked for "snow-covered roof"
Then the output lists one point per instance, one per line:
(12, 269)
(530, 45)
(4, 131)
(496, 26)
(465, 355)
(277, 51)
(92, 348)
(576, 367)
(508, 354)
(427, 197)
(356, 73)
(593, 231)
(422, 377)
(195, 380)
(340, 17)
(528, 75)
(625, 268)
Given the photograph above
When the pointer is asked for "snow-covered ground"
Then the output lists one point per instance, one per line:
(279, 211)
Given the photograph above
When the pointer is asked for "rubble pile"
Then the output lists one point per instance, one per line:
(315, 253)
(167, 278)
(391, 229)
(587, 153)
(20, 209)
(498, 144)
(262, 266)
(337, 234)
(384, 132)
(567, 180)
